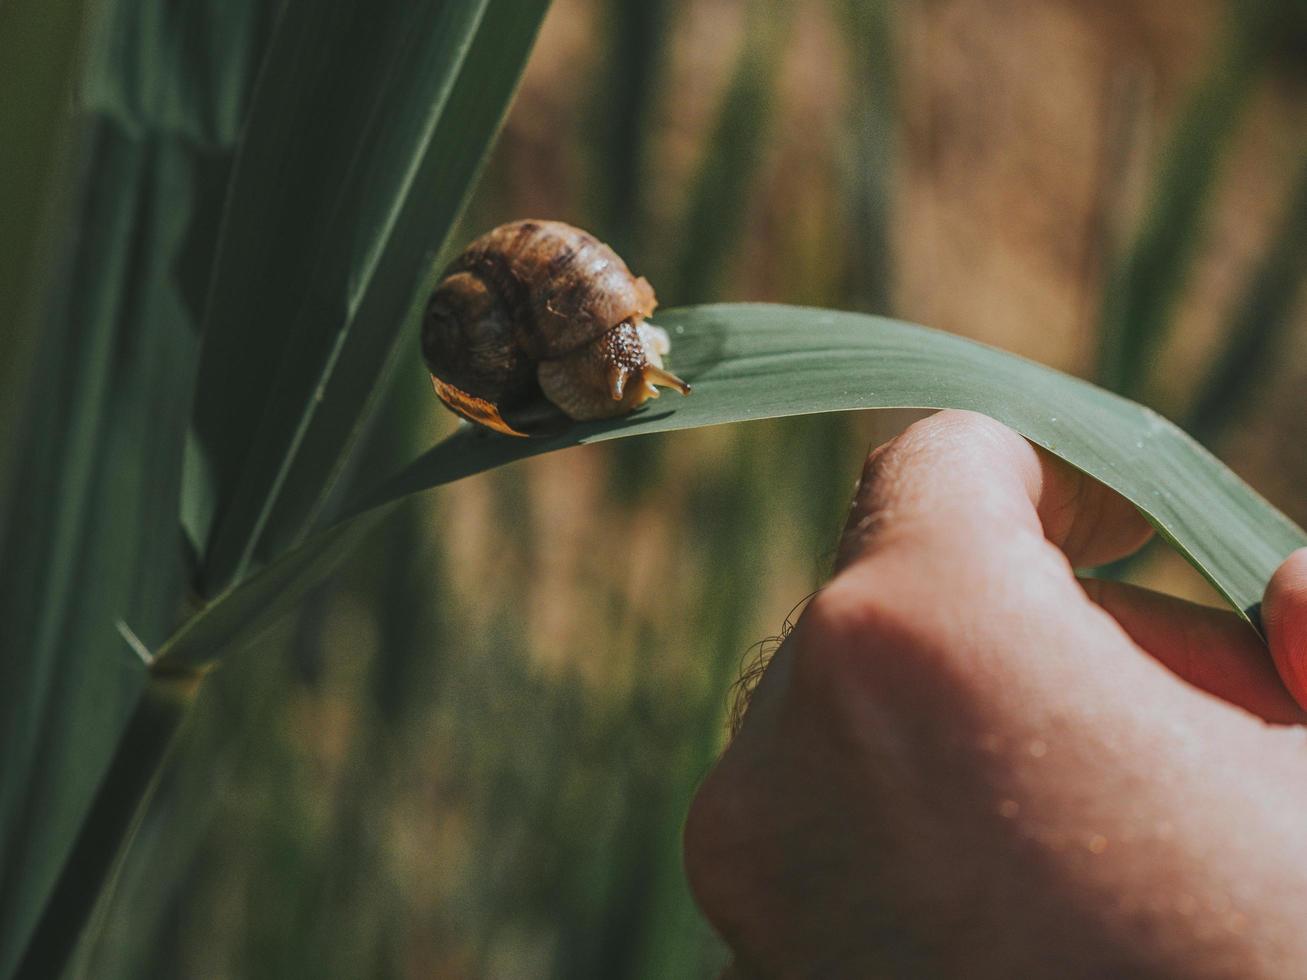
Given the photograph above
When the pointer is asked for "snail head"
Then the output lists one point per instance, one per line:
(616, 372)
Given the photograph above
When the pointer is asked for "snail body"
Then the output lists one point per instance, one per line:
(539, 313)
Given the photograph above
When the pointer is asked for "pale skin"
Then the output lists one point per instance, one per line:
(965, 762)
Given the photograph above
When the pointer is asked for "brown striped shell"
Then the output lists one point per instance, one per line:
(538, 312)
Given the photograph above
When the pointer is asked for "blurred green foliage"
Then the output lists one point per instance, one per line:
(93, 560)
(470, 753)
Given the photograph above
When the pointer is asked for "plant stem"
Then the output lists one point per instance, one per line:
(110, 824)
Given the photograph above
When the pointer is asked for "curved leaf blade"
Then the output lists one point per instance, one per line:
(441, 185)
(342, 118)
(755, 361)
(90, 531)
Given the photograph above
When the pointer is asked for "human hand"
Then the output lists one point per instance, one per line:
(964, 762)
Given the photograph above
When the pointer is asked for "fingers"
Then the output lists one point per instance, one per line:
(962, 478)
(961, 492)
(1284, 616)
(1210, 648)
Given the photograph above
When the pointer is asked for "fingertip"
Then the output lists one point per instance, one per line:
(1088, 520)
(1284, 617)
(950, 472)
(961, 471)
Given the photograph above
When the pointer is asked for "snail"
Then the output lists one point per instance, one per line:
(539, 313)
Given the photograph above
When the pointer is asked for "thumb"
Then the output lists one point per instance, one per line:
(1284, 616)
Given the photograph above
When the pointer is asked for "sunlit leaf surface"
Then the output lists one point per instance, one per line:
(352, 167)
(757, 361)
(90, 541)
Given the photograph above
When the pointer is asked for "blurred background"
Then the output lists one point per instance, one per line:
(470, 753)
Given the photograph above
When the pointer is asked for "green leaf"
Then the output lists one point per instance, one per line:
(38, 45)
(1142, 289)
(159, 711)
(733, 152)
(93, 576)
(1259, 321)
(441, 186)
(236, 617)
(634, 46)
(184, 70)
(93, 566)
(59, 704)
(868, 28)
(758, 361)
(358, 153)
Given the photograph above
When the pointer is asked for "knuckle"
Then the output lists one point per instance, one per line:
(1027, 556)
(850, 609)
(890, 625)
(853, 634)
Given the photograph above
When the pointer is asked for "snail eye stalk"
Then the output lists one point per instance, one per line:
(661, 376)
(616, 382)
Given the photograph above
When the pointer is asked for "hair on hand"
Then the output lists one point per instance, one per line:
(753, 664)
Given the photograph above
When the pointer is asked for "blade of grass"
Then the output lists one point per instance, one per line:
(385, 321)
(131, 331)
(108, 551)
(141, 749)
(733, 151)
(45, 556)
(755, 361)
(868, 25)
(186, 70)
(718, 202)
(92, 567)
(87, 856)
(38, 42)
(1143, 288)
(637, 38)
(346, 97)
(327, 205)
(1258, 321)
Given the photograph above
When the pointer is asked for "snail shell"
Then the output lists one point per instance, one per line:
(540, 312)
